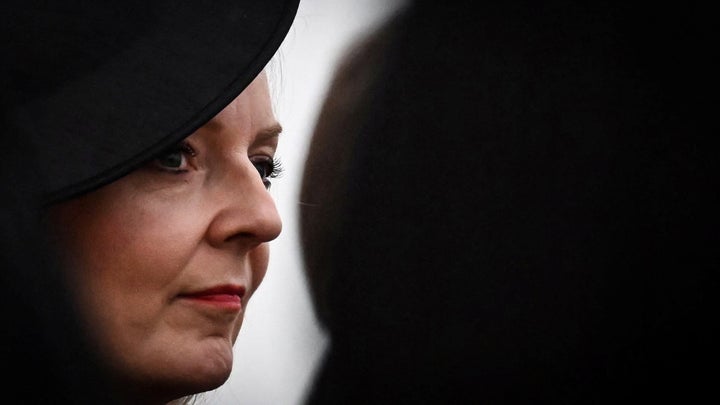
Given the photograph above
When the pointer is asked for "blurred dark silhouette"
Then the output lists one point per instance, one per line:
(513, 204)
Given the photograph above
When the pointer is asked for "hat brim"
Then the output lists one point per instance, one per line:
(170, 71)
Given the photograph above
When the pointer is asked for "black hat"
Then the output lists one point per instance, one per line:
(92, 89)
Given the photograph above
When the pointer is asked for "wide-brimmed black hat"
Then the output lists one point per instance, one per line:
(92, 89)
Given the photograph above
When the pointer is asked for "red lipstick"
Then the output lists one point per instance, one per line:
(227, 297)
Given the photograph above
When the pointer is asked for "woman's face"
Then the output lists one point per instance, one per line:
(166, 258)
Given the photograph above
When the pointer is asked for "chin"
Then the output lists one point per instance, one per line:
(211, 378)
(169, 388)
(205, 379)
(200, 384)
(213, 366)
(205, 369)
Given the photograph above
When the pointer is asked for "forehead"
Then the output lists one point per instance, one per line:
(252, 107)
(249, 118)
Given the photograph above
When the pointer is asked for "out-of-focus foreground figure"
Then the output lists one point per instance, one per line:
(513, 204)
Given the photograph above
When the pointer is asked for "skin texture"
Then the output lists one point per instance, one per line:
(138, 246)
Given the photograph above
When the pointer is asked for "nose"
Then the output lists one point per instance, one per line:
(245, 211)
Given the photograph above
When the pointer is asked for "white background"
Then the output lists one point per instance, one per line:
(280, 344)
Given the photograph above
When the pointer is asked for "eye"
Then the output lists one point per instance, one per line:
(175, 159)
(268, 168)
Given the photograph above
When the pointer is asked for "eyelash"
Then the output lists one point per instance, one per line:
(268, 167)
(275, 169)
(185, 151)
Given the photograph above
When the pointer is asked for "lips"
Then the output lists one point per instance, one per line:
(224, 297)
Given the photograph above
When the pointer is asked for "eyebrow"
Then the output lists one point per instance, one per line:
(269, 132)
(272, 131)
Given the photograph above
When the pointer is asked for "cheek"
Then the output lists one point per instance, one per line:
(150, 250)
(132, 252)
